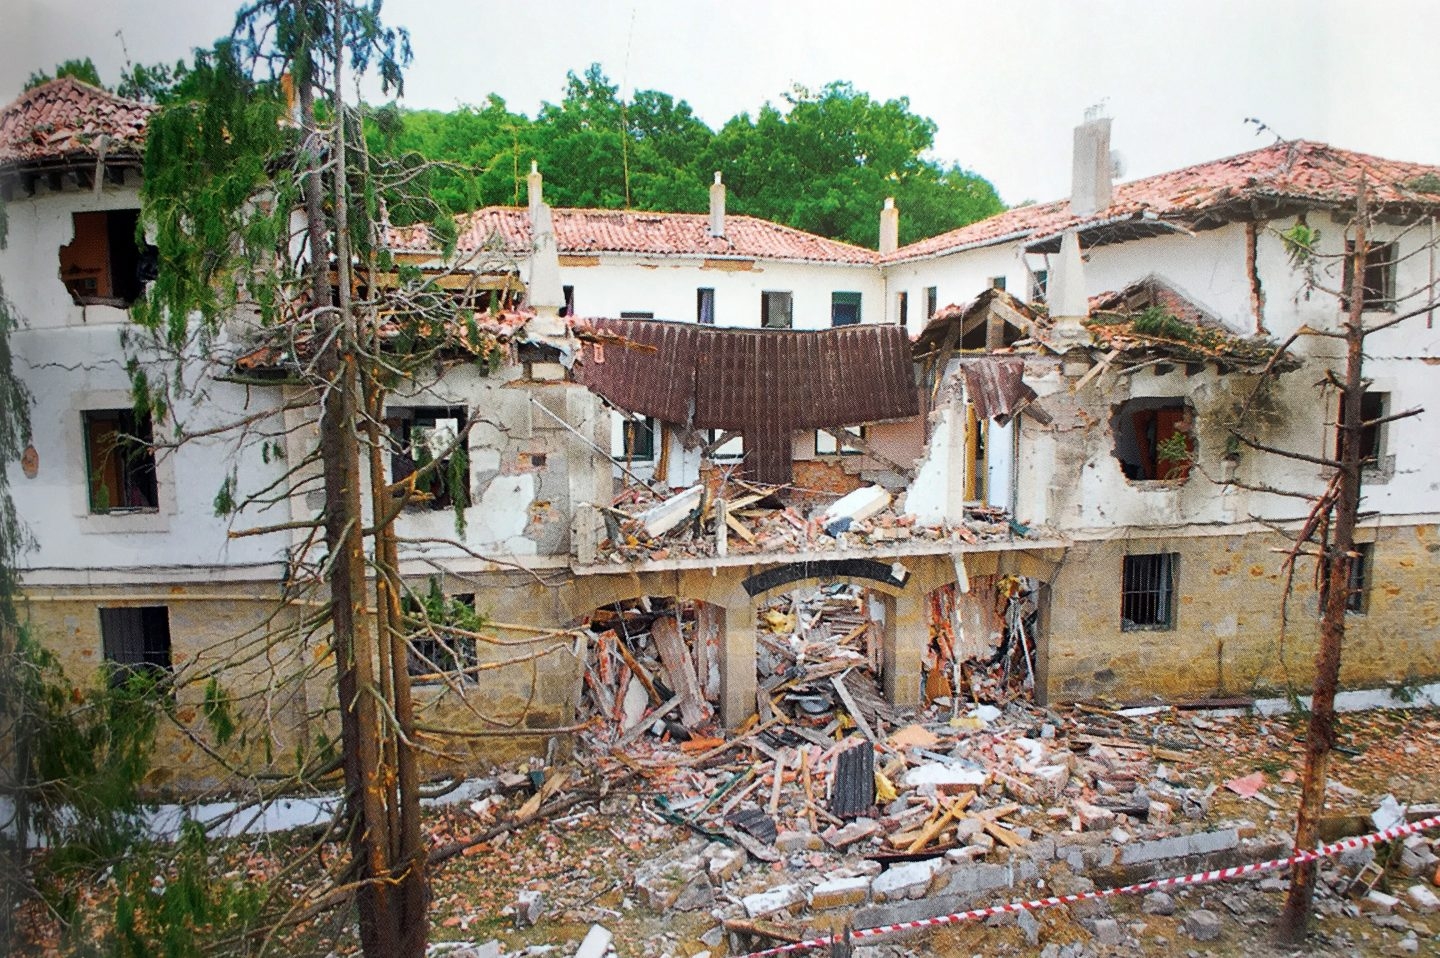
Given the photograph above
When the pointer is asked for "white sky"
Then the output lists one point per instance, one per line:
(1004, 80)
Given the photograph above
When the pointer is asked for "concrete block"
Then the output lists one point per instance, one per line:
(840, 893)
(1177, 846)
(1158, 903)
(1202, 925)
(1422, 899)
(1206, 843)
(1107, 931)
(779, 898)
(908, 880)
(976, 878)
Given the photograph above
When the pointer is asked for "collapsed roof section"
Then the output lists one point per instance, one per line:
(1150, 321)
(764, 384)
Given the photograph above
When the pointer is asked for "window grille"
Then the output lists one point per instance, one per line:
(1147, 596)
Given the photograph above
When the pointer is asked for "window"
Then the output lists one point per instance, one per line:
(633, 440)
(1378, 282)
(1153, 438)
(705, 306)
(776, 310)
(827, 445)
(844, 309)
(1039, 282)
(569, 308)
(418, 436)
(136, 639)
(1147, 592)
(633, 315)
(932, 300)
(902, 308)
(1361, 563)
(1373, 406)
(120, 461)
(435, 647)
(104, 265)
(732, 450)
(997, 282)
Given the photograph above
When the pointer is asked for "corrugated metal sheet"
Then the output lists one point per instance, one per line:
(765, 384)
(996, 385)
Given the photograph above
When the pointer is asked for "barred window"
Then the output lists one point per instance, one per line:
(1147, 596)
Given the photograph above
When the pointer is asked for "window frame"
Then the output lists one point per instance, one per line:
(622, 446)
(155, 651)
(932, 301)
(1039, 285)
(1381, 259)
(454, 657)
(1372, 438)
(705, 305)
(902, 308)
(769, 297)
(851, 299)
(1358, 579)
(401, 422)
(1159, 584)
(137, 472)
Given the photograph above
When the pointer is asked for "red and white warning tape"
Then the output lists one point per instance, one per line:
(1199, 878)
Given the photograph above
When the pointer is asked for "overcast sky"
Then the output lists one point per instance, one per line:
(1004, 81)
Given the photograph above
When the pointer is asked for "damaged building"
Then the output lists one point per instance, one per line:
(706, 426)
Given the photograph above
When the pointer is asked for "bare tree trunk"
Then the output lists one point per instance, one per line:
(1337, 552)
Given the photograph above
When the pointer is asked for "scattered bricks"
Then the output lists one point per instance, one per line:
(1107, 931)
(1093, 818)
(1050, 780)
(840, 893)
(1416, 858)
(596, 943)
(528, 907)
(1158, 903)
(981, 841)
(1202, 925)
(1422, 899)
(856, 831)
(682, 885)
(909, 880)
(967, 828)
(766, 903)
(1379, 903)
(787, 842)
(1160, 813)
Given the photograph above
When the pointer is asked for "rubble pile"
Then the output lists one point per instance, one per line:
(731, 515)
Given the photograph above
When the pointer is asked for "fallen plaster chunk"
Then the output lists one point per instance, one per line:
(942, 774)
(854, 507)
(1388, 815)
(660, 519)
(765, 903)
(596, 943)
(1422, 899)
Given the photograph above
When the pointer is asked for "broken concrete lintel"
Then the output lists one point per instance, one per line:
(661, 518)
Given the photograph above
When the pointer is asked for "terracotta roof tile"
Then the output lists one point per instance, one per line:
(584, 231)
(66, 118)
(1296, 170)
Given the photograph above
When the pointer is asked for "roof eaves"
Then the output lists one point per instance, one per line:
(894, 259)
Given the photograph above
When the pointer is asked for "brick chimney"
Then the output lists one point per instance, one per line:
(889, 227)
(717, 206)
(1090, 186)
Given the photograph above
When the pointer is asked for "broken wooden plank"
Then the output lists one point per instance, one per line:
(932, 831)
(849, 701)
(645, 723)
(739, 529)
(680, 667)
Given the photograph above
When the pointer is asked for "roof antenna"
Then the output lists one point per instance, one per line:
(1261, 128)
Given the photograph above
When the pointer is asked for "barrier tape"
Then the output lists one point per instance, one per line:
(1199, 878)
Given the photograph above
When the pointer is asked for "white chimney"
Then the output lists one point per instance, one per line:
(546, 293)
(717, 206)
(1068, 301)
(889, 227)
(535, 187)
(1090, 173)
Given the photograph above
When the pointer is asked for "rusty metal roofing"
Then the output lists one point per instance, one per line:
(581, 232)
(764, 384)
(995, 385)
(66, 119)
(1299, 170)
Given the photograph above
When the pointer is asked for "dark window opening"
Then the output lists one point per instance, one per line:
(136, 640)
(636, 315)
(1373, 406)
(1039, 282)
(705, 306)
(844, 309)
(569, 308)
(1361, 565)
(1147, 592)
(120, 461)
(1154, 438)
(997, 282)
(436, 649)
(1378, 281)
(902, 308)
(776, 310)
(932, 300)
(418, 436)
(104, 265)
(637, 440)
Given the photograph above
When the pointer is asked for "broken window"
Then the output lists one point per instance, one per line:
(932, 300)
(1039, 282)
(1147, 591)
(633, 439)
(120, 461)
(1373, 406)
(419, 435)
(902, 308)
(827, 445)
(776, 309)
(1378, 281)
(844, 309)
(104, 265)
(1154, 438)
(434, 623)
(705, 306)
(136, 640)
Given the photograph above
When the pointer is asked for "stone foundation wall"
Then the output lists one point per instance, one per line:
(1229, 634)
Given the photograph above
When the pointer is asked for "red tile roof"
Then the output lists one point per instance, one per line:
(1296, 170)
(585, 231)
(65, 119)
